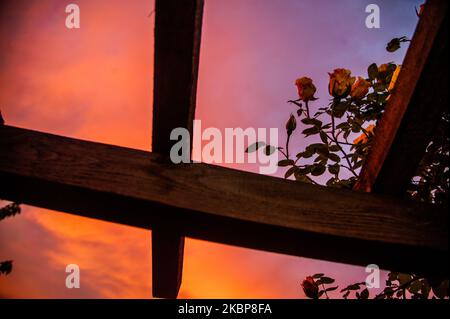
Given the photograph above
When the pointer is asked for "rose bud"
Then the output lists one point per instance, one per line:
(393, 45)
(359, 89)
(291, 125)
(310, 288)
(340, 83)
(306, 89)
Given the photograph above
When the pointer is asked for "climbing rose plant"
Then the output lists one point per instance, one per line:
(8, 211)
(342, 134)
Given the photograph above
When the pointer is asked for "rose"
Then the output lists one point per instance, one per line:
(359, 89)
(291, 125)
(306, 89)
(310, 288)
(341, 83)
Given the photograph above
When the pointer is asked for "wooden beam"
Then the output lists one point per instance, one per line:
(217, 204)
(414, 109)
(178, 27)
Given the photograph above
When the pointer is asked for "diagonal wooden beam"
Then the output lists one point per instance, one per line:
(414, 109)
(217, 204)
(177, 45)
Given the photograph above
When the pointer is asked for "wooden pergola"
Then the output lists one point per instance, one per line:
(372, 224)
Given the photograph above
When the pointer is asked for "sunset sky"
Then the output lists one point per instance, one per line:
(96, 82)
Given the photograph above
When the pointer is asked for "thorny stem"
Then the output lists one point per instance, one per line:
(337, 142)
(284, 154)
(287, 145)
(333, 138)
(307, 108)
(333, 133)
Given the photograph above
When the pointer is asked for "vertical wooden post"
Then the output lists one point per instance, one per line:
(178, 26)
(414, 109)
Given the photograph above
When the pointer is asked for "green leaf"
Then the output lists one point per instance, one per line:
(334, 169)
(379, 87)
(311, 131)
(351, 287)
(339, 109)
(311, 121)
(290, 172)
(334, 148)
(324, 137)
(343, 125)
(331, 181)
(318, 170)
(334, 157)
(415, 287)
(441, 291)
(318, 147)
(320, 159)
(392, 276)
(425, 290)
(306, 154)
(404, 278)
(358, 164)
(284, 163)
(318, 276)
(364, 294)
(331, 288)
(254, 147)
(372, 71)
(327, 280)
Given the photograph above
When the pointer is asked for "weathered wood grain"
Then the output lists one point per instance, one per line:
(414, 109)
(207, 202)
(178, 27)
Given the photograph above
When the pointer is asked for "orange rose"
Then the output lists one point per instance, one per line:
(310, 288)
(341, 83)
(306, 89)
(360, 88)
